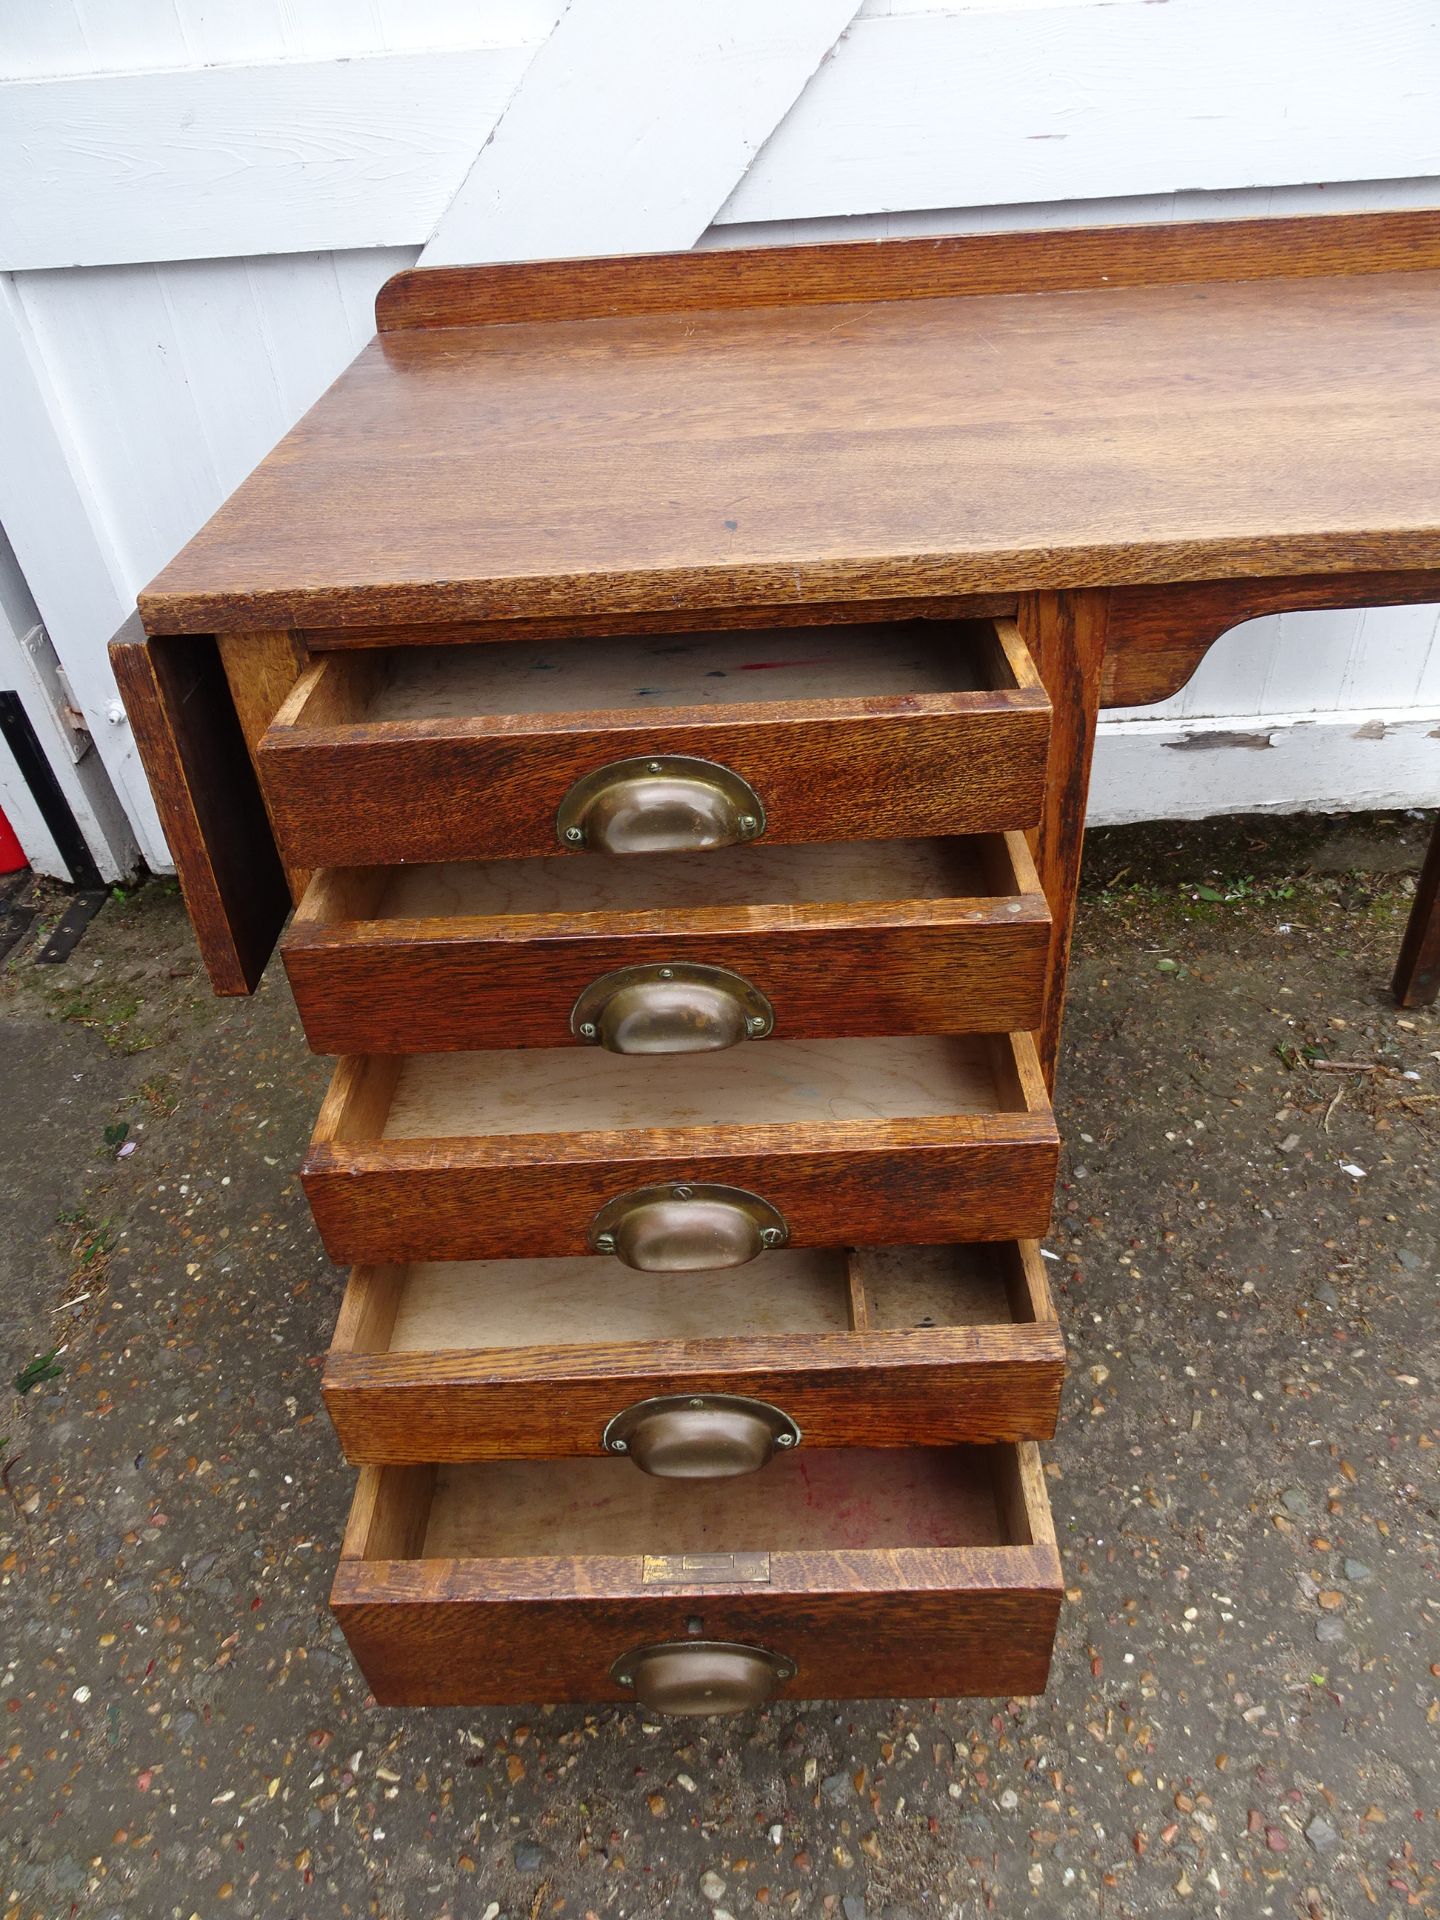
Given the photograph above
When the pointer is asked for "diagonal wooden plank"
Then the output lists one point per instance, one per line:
(276, 156)
(632, 126)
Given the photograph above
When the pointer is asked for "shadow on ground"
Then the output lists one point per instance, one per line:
(1244, 1711)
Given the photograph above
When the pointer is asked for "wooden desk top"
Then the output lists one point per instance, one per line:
(837, 437)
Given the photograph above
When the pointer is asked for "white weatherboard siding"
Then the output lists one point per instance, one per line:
(199, 199)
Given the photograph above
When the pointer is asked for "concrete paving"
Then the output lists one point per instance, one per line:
(1244, 1711)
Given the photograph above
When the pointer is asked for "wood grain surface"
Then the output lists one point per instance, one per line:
(379, 761)
(856, 938)
(697, 619)
(1158, 635)
(428, 1363)
(193, 751)
(261, 669)
(873, 449)
(1067, 634)
(966, 264)
(970, 1160)
(873, 1610)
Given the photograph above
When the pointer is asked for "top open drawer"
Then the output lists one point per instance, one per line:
(658, 745)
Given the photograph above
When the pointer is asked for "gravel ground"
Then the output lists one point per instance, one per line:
(1244, 1709)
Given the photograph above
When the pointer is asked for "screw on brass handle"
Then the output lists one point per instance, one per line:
(692, 1677)
(674, 804)
(677, 1009)
(702, 1436)
(685, 1229)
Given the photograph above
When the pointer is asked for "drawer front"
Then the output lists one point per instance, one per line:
(371, 974)
(920, 1184)
(889, 1347)
(973, 1614)
(923, 1140)
(361, 769)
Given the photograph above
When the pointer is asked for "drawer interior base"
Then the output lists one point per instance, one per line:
(825, 1501)
(957, 868)
(683, 670)
(457, 1306)
(778, 1081)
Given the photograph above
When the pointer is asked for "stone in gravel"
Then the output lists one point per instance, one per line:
(1321, 1835)
(711, 1885)
(529, 1858)
(1329, 1631)
(853, 1907)
(1356, 1571)
(1326, 1294)
(836, 1788)
(1295, 1500)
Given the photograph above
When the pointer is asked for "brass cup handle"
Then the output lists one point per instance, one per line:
(686, 1229)
(700, 1436)
(693, 1677)
(677, 1009)
(673, 804)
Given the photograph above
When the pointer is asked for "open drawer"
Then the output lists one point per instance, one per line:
(671, 744)
(855, 937)
(676, 1164)
(878, 1347)
(847, 1574)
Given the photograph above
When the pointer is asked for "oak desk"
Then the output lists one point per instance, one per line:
(1015, 479)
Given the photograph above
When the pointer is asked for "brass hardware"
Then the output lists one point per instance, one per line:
(706, 1570)
(684, 1229)
(691, 1677)
(672, 805)
(676, 1009)
(701, 1436)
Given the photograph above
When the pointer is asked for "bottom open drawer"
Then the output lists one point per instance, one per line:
(878, 1347)
(838, 1574)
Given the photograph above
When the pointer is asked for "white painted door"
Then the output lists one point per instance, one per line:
(199, 199)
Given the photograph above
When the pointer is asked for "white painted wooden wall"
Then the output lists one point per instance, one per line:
(199, 199)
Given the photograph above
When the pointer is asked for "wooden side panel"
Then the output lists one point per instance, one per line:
(861, 1625)
(190, 741)
(869, 270)
(1067, 635)
(1158, 635)
(986, 1178)
(1417, 974)
(261, 668)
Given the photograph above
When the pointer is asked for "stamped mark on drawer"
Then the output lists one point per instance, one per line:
(690, 1569)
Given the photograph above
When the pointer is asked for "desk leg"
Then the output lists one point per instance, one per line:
(1066, 634)
(1417, 974)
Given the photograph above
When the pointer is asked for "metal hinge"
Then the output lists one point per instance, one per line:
(59, 695)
